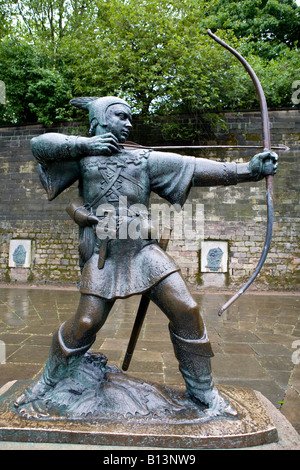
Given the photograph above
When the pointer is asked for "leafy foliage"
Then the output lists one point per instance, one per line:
(154, 53)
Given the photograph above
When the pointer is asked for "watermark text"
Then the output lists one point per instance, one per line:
(296, 94)
(2, 352)
(2, 92)
(139, 221)
(296, 354)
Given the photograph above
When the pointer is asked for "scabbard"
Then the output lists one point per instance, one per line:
(102, 253)
(139, 320)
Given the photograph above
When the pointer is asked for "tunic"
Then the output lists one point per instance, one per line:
(132, 266)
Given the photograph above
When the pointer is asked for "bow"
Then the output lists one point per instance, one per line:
(269, 172)
(269, 185)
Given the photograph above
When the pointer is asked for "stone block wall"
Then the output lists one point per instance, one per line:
(236, 214)
(26, 212)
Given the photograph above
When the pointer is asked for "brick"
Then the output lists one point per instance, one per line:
(236, 214)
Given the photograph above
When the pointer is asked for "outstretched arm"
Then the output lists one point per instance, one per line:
(212, 173)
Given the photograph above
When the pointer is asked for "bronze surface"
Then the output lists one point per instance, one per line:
(252, 427)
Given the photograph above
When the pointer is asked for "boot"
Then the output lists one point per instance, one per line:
(56, 369)
(195, 366)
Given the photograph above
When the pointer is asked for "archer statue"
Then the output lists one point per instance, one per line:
(115, 267)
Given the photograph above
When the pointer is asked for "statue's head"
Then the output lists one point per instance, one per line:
(102, 115)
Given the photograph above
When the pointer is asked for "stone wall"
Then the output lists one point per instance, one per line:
(235, 214)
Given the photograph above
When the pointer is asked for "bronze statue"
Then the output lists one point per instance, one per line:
(115, 267)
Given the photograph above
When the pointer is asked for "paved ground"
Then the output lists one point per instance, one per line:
(254, 342)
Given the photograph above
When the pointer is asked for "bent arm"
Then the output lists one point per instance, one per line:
(53, 146)
(58, 160)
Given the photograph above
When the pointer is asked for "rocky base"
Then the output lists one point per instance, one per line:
(96, 391)
(98, 404)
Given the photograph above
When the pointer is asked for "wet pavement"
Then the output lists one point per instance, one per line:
(256, 342)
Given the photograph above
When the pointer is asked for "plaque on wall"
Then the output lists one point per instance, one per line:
(20, 254)
(214, 257)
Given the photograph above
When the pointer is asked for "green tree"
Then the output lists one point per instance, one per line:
(17, 70)
(35, 91)
(154, 53)
(32, 60)
(5, 18)
(48, 97)
(46, 22)
(267, 27)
